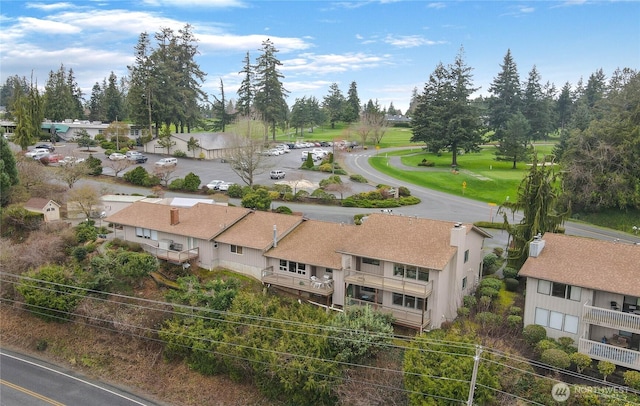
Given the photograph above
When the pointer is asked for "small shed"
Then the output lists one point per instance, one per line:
(49, 208)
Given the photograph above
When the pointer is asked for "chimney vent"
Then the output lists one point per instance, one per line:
(175, 217)
(536, 246)
(275, 236)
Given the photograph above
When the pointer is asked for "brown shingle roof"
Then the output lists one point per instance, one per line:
(589, 263)
(256, 229)
(403, 239)
(37, 203)
(203, 220)
(314, 242)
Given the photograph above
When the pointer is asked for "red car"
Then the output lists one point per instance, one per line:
(54, 158)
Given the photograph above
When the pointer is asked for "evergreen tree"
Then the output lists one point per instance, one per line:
(58, 98)
(444, 117)
(333, 104)
(270, 93)
(352, 106)
(219, 109)
(505, 99)
(514, 146)
(413, 102)
(139, 96)
(96, 108)
(28, 115)
(538, 196)
(112, 100)
(190, 78)
(535, 107)
(8, 171)
(246, 90)
(13, 86)
(564, 106)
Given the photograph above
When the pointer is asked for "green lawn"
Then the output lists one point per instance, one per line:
(479, 175)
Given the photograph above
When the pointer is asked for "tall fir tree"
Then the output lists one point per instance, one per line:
(352, 106)
(246, 89)
(505, 96)
(270, 97)
(333, 104)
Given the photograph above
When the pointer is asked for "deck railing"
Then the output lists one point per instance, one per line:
(399, 285)
(410, 318)
(304, 283)
(611, 318)
(171, 255)
(605, 352)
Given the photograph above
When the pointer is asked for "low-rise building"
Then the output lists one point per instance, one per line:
(48, 208)
(588, 290)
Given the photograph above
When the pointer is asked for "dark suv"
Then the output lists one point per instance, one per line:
(49, 147)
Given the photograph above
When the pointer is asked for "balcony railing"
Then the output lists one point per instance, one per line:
(318, 287)
(604, 352)
(398, 285)
(177, 257)
(611, 318)
(409, 318)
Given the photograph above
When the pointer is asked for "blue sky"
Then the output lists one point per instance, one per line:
(387, 47)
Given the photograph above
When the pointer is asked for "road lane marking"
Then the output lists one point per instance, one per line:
(31, 393)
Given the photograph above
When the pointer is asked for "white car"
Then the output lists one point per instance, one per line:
(167, 162)
(224, 186)
(214, 184)
(71, 160)
(116, 156)
(35, 151)
(40, 154)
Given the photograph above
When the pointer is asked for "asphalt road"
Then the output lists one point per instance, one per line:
(27, 381)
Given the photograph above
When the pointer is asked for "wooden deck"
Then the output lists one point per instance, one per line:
(398, 285)
(177, 257)
(300, 283)
(412, 319)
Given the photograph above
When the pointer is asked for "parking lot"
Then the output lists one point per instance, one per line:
(208, 170)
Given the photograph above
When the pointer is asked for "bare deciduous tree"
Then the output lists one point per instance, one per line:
(86, 197)
(245, 154)
(164, 174)
(118, 165)
(72, 172)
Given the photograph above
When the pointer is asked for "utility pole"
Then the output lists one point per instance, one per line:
(474, 375)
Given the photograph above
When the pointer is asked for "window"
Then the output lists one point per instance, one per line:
(466, 256)
(283, 265)
(464, 282)
(293, 267)
(559, 290)
(302, 269)
(571, 324)
(146, 233)
(555, 320)
(371, 261)
(544, 287)
(236, 249)
(542, 317)
(411, 272)
(398, 299)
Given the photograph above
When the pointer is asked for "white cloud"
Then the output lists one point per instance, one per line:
(314, 64)
(49, 7)
(409, 41)
(251, 43)
(197, 3)
(437, 5)
(37, 25)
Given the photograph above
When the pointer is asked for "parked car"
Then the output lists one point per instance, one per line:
(167, 162)
(71, 160)
(54, 158)
(277, 174)
(35, 151)
(40, 154)
(214, 184)
(135, 156)
(48, 147)
(116, 156)
(224, 186)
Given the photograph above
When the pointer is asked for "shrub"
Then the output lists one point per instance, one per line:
(491, 283)
(191, 182)
(581, 361)
(283, 209)
(79, 253)
(323, 196)
(511, 284)
(179, 154)
(331, 180)
(514, 321)
(235, 191)
(469, 301)
(567, 344)
(408, 200)
(498, 251)
(490, 263)
(358, 178)
(425, 162)
(463, 311)
(176, 184)
(546, 344)
(86, 231)
(510, 273)
(631, 379)
(138, 176)
(485, 302)
(515, 310)
(556, 358)
(282, 189)
(533, 334)
(488, 320)
(489, 292)
(357, 219)
(606, 368)
(325, 167)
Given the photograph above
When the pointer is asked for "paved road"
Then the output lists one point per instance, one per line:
(28, 381)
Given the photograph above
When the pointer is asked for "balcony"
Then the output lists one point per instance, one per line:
(614, 319)
(605, 352)
(295, 282)
(408, 287)
(176, 257)
(408, 318)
